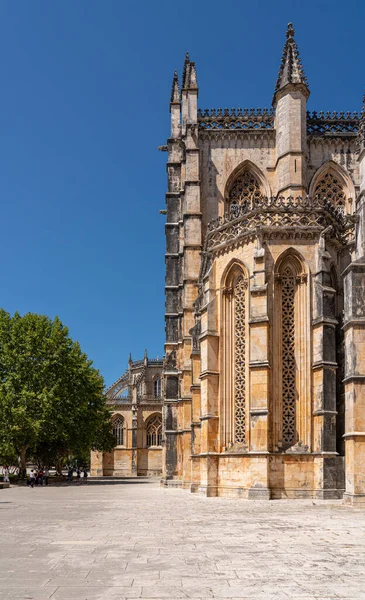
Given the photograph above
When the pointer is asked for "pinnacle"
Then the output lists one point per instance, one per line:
(189, 80)
(186, 71)
(291, 69)
(175, 90)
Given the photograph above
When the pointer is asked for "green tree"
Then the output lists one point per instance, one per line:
(51, 398)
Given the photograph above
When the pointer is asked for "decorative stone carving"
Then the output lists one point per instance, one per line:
(240, 360)
(288, 280)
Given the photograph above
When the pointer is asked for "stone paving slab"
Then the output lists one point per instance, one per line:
(133, 541)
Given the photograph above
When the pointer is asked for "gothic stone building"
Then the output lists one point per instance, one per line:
(264, 374)
(136, 403)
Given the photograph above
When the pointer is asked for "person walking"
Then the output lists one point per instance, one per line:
(85, 475)
(32, 478)
(70, 474)
(46, 475)
(78, 472)
(6, 474)
(40, 477)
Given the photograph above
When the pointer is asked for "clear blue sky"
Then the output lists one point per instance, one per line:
(84, 103)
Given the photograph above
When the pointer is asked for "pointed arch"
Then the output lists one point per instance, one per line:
(234, 409)
(154, 430)
(332, 182)
(157, 386)
(118, 429)
(246, 183)
(291, 352)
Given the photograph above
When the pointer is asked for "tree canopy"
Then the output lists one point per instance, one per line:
(51, 397)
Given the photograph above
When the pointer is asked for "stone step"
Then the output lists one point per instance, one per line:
(115, 480)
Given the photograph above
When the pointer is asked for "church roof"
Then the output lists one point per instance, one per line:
(291, 69)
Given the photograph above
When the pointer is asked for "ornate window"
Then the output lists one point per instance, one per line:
(288, 280)
(245, 189)
(291, 356)
(118, 430)
(157, 387)
(154, 431)
(234, 360)
(331, 188)
(240, 360)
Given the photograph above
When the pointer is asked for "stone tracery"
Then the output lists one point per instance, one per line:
(240, 360)
(288, 357)
(330, 187)
(118, 430)
(154, 431)
(246, 188)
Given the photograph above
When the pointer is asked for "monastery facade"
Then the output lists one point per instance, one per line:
(261, 393)
(135, 401)
(264, 371)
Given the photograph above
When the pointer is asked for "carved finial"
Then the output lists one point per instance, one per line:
(290, 31)
(291, 69)
(175, 90)
(130, 358)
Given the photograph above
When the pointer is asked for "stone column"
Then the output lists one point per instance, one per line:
(209, 377)
(259, 368)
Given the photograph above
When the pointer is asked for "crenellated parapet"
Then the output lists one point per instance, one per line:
(319, 123)
(333, 123)
(236, 118)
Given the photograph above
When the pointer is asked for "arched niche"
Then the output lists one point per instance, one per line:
(332, 182)
(234, 356)
(291, 354)
(246, 183)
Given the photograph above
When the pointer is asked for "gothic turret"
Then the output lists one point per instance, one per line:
(291, 70)
(290, 97)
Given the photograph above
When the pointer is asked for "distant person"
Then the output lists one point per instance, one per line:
(6, 474)
(85, 475)
(78, 473)
(46, 475)
(40, 477)
(32, 479)
(70, 473)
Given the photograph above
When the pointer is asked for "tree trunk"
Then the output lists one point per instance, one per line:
(58, 465)
(22, 463)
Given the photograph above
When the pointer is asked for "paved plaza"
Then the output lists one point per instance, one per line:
(136, 540)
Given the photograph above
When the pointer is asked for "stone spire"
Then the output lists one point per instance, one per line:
(175, 90)
(186, 71)
(361, 133)
(189, 80)
(291, 70)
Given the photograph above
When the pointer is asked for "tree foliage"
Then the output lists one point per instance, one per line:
(51, 397)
